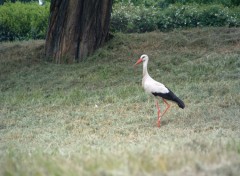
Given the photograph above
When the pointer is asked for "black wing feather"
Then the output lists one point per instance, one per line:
(170, 96)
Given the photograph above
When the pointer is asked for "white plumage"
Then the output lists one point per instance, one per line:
(150, 85)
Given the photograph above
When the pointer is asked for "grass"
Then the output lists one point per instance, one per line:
(94, 118)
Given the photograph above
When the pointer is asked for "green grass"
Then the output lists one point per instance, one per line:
(94, 118)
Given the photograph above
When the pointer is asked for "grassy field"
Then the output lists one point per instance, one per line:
(94, 118)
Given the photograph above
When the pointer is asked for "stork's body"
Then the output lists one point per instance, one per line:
(157, 89)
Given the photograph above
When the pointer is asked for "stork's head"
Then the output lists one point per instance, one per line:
(143, 58)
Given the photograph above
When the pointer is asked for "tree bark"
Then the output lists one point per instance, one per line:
(76, 28)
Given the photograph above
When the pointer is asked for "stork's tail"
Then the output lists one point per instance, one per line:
(179, 102)
(172, 97)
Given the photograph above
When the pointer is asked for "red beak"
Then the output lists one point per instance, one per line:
(138, 62)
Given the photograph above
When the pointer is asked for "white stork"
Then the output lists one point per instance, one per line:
(157, 89)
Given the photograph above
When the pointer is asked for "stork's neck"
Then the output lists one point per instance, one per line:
(145, 71)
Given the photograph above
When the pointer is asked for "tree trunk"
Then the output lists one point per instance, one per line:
(76, 28)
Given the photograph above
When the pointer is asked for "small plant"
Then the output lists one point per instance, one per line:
(130, 18)
(20, 21)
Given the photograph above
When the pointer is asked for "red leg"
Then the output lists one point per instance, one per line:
(159, 114)
(168, 106)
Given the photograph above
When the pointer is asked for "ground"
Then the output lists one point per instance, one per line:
(94, 118)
